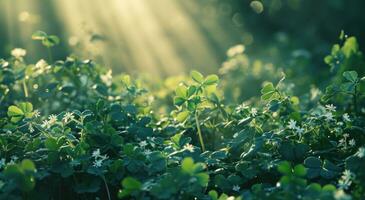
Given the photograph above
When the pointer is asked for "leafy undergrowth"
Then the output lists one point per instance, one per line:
(68, 130)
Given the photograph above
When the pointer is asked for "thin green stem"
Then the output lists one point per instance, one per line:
(199, 131)
(106, 187)
(355, 99)
(25, 89)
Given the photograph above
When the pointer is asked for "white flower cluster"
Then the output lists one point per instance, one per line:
(189, 147)
(18, 52)
(52, 119)
(235, 50)
(292, 124)
(328, 115)
(30, 127)
(361, 152)
(143, 143)
(12, 161)
(346, 117)
(36, 113)
(41, 67)
(253, 112)
(69, 116)
(98, 158)
(236, 188)
(344, 142)
(107, 78)
(346, 179)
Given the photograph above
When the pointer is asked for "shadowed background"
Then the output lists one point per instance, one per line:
(169, 37)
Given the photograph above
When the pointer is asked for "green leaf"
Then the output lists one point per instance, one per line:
(350, 46)
(312, 162)
(178, 101)
(28, 165)
(285, 168)
(203, 179)
(51, 144)
(329, 187)
(26, 107)
(131, 183)
(181, 91)
(268, 92)
(213, 194)
(39, 35)
(192, 89)
(197, 76)
(211, 79)
(351, 76)
(187, 165)
(269, 87)
(181, 117)
(300, 170)
(14, 111)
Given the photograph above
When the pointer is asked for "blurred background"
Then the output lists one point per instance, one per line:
(171, 37)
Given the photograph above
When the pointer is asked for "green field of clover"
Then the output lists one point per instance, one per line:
(70, 128)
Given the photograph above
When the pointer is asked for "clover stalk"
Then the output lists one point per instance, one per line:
(199, 131)
(25, 88)
(106, 187)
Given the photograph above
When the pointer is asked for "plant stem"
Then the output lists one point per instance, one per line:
(355, 99)
(25, 89)
(106, 187)
(199, 131)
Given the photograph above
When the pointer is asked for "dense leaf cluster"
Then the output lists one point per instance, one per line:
(69, 130)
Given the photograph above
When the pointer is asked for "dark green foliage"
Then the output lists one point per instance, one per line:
(69, 130)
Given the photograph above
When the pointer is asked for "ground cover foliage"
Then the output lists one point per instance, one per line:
(71, 130)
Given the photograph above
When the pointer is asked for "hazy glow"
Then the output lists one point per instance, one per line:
(154, 36)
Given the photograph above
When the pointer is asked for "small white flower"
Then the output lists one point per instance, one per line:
(344, 184)
(331, 107)
(41, 67)
(14, 158)
(340, 194)
(347, 174)
(346, 117)
(36, 113)
(104, 157)
(292, 124)
(18, 52)
(361, 152)
(98, 163)
(45, 124)
(2, 163)
(328, 116)
(241, 107)
(52, 119)
(30, 128)
(299, 130)
(96, 153)
(69, 116)
(352, 142)
(346, 179)
(254, 112)
(235, 50)
(107, 78)
(143, 143)
(346, 135)
(189, 147)
(340, 123)
(236, 188)
(147, 152)
(99, 159)
(342, 141)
